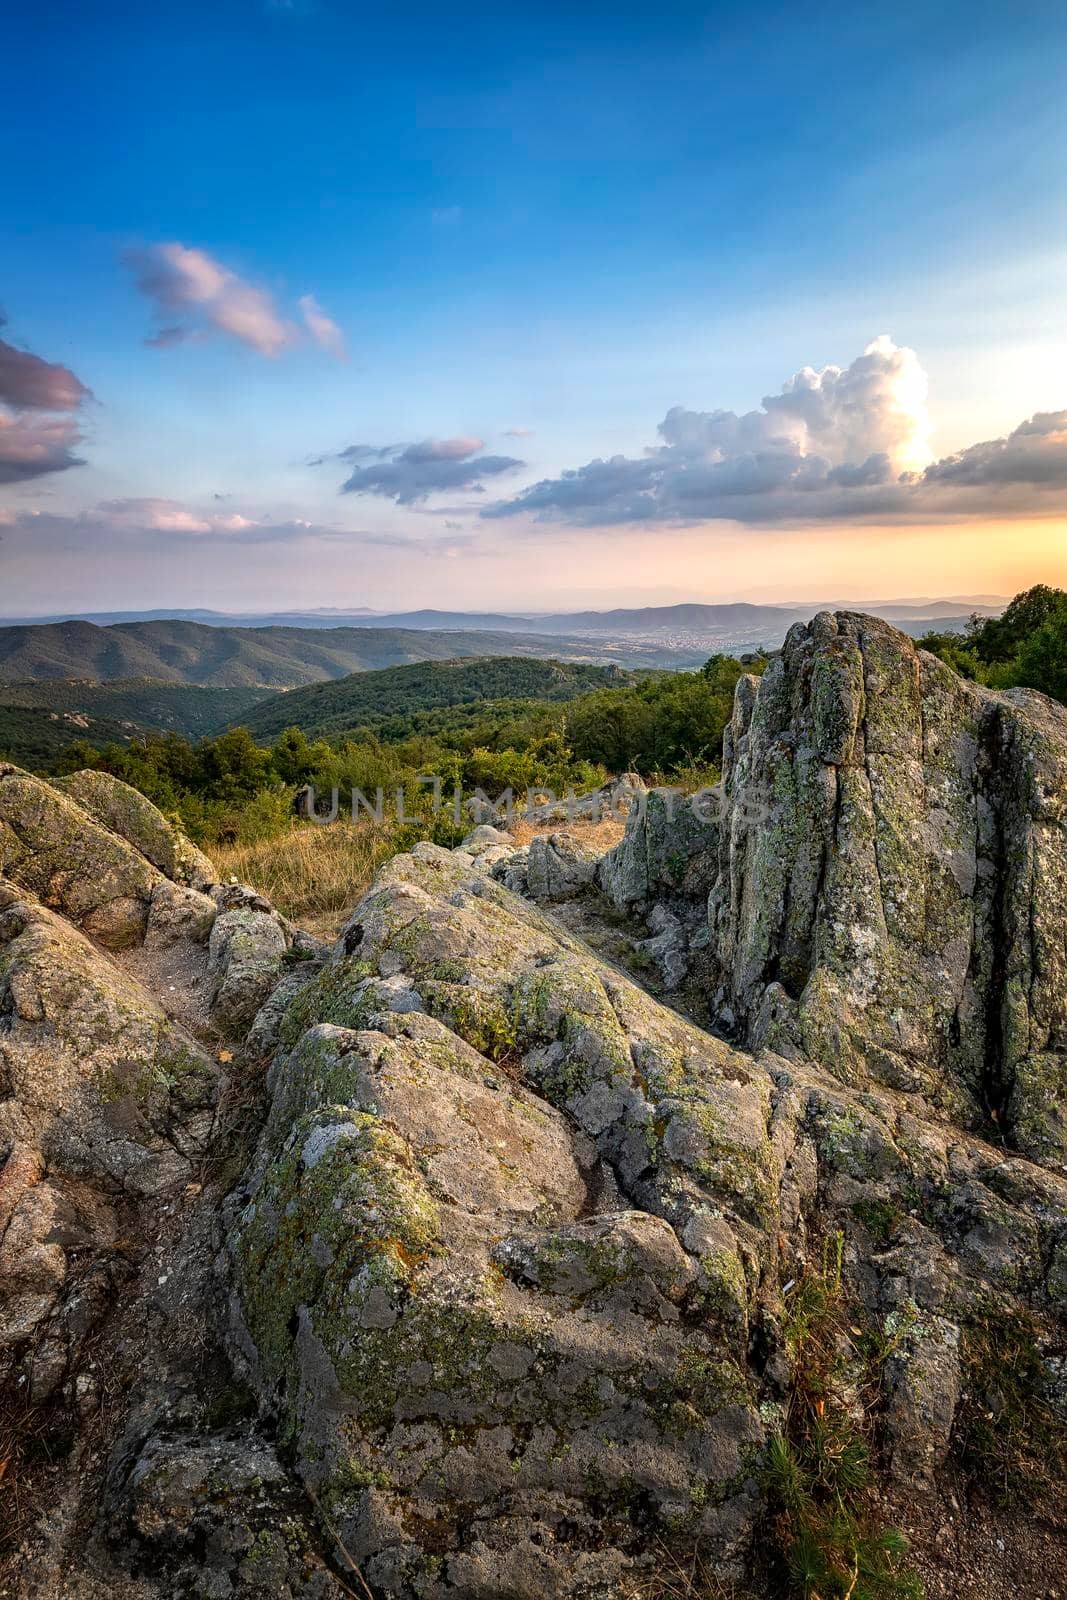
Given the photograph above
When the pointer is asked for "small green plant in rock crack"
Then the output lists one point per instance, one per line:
(489, 1028)
(817, 1471)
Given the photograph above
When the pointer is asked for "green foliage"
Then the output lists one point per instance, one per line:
(817, 1470)
(1042, 659)
(229, 790)
(433, 698)
(1027, 646)
(1001, 638)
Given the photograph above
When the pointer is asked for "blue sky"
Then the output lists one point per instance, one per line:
(537, 227)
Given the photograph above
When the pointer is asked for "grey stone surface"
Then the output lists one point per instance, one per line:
(891, 884)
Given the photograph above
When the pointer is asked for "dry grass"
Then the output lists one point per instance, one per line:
(684, 1577)
(602, 835)
(314, 875)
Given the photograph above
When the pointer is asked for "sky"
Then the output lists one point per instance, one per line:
(314, 304)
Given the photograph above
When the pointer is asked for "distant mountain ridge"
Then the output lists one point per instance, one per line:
(688, 617)
(179, 652)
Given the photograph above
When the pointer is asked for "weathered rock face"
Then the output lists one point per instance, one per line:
(891, 889)
(135, 819)
(105, 1103)
(667, 853)
(500, 1260)
(81, 852)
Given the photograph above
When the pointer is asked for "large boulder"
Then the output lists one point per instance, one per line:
(53, 848)
(667, 852)
(559, 867)
(890, 891)
(126, 812)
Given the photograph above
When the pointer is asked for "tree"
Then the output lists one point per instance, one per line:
(1002, 638)
(1042, 660)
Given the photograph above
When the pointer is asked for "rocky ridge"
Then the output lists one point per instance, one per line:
(492, 1294)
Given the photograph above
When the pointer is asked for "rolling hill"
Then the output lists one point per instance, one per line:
(138, 703)
(401, 699)
(40, 720)
(756, 620)
(193, 653)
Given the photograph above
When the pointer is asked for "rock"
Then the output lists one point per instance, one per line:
(668, 947)
(451, 1304)
(245, 955)
(176, 915)
(891, 883)
(485, 838)
(104, 1099)
(559, 867)
(134, 818)
(511, 870)
(543, 1207)
(667, 852)
(219, 1517)
(52, 847)
(613, 799)
(923, 1377)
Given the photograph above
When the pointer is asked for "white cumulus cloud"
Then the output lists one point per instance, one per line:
(844, 442)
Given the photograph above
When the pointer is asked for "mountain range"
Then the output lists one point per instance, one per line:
(690, 617)
(175, 651)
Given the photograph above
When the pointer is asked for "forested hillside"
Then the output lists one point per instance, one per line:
(399, 701)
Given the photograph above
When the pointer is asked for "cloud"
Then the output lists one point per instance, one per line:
(195, 296)
(190, 283)
(30, 383)
(322, 328)
(518, 433)
(32, 442)
(825, 437)
(132, 525)
(446, 216)
(840, 444)
(1034, 455)
(30, 447)
(408, 473)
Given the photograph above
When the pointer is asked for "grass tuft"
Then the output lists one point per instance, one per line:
(314, 875)
(1008, 1438)
(817, 1472)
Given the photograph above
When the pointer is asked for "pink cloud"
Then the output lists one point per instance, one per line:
(31, 446)
(322, 328)
(194, 294)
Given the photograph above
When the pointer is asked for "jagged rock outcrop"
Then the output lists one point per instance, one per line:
(105, 1103)
(891, 889)
(511, 1228)
(52, 847)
